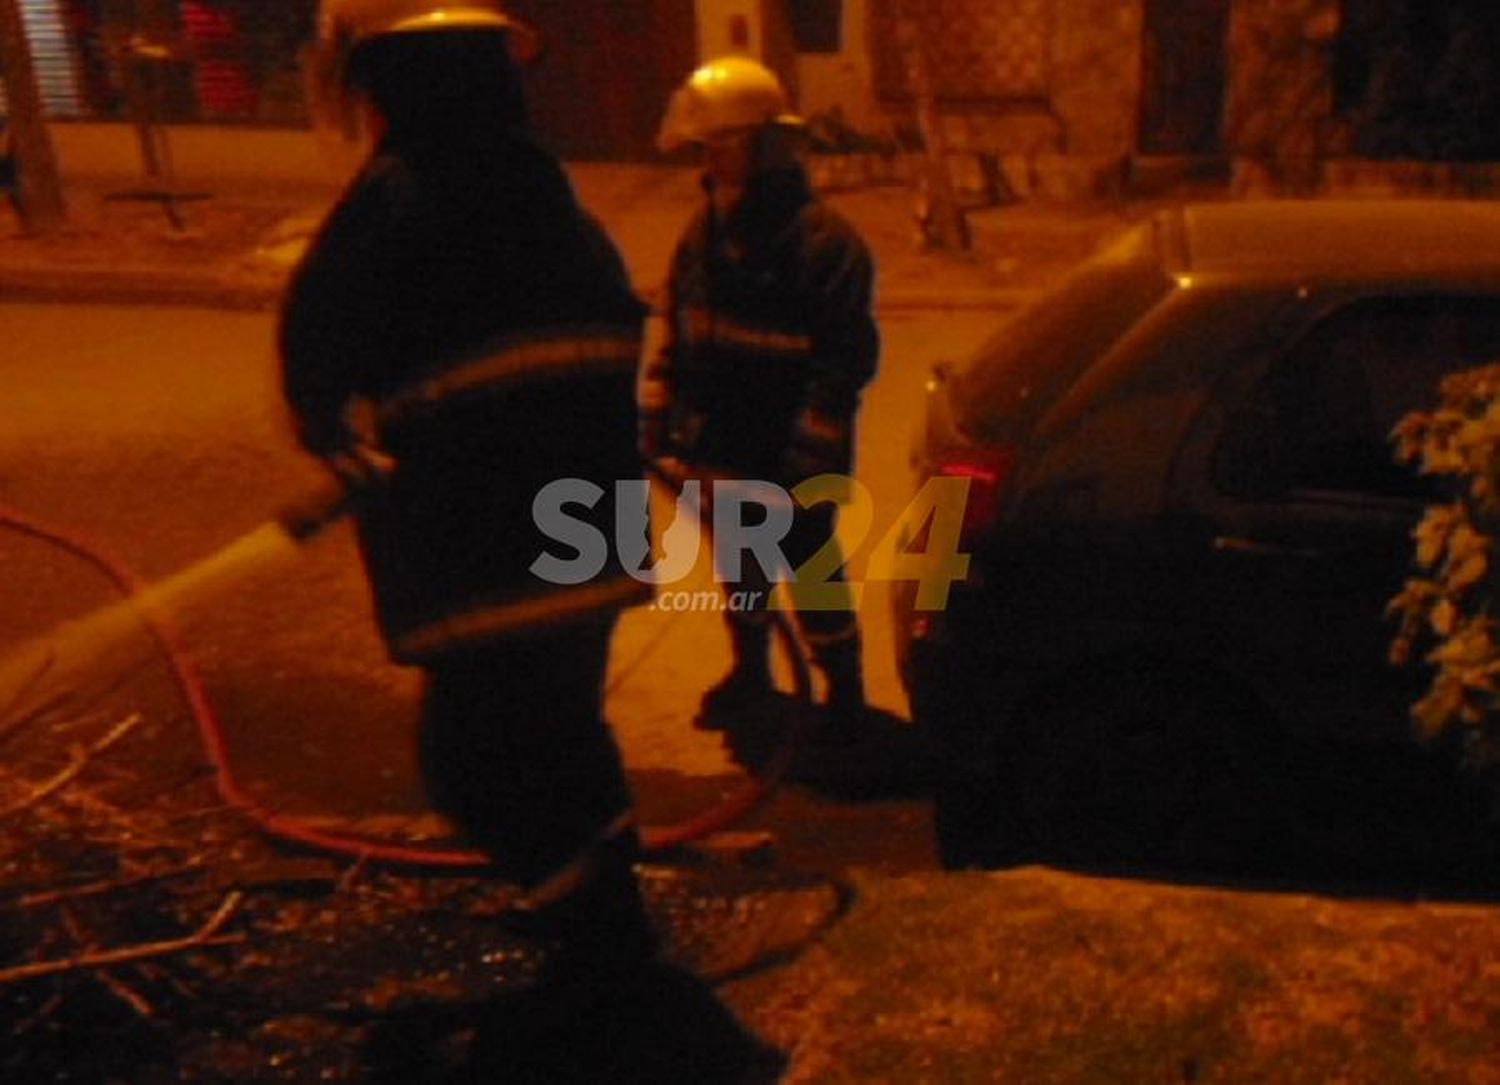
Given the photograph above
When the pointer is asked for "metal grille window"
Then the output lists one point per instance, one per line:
(229, 60)
(245, 56)
(977, 50)
(47, 30)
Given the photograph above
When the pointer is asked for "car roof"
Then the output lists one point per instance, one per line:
(1344, 238)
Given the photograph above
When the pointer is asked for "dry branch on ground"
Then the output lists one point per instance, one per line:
(204, 936)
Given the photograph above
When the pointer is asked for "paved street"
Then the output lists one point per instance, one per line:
(158, 433)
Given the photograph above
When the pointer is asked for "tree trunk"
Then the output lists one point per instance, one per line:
(39, 188)
(942, 220)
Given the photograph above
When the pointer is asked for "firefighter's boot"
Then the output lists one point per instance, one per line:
(748, 684)
(844, 711)
(599, 928)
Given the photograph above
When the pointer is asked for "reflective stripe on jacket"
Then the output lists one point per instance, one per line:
(538, 355)
(770, 335)
(463, 292)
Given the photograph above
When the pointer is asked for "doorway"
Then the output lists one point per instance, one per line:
(1183, 61)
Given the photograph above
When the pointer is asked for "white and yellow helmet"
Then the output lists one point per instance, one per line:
(344, 23)
(722, 96)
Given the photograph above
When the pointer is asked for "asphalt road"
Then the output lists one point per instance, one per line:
(158, 434)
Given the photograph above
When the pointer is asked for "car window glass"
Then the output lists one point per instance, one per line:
(1037, 356)
(1324, 413)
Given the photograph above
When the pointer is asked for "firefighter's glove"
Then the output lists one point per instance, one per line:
(671, 471)
(819, 445)
(360, 467)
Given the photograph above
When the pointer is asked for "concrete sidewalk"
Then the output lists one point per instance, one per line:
(229, 240)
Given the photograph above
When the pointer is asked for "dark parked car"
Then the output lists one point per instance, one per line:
(1185, 519)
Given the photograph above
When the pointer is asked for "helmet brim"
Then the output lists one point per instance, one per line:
(671, 139)
(524, 42)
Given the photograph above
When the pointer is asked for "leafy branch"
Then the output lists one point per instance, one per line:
(1450, 603)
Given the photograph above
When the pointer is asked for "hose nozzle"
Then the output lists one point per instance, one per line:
(357, 473)
(308, 515)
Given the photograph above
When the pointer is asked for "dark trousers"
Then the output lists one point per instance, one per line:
(515, 750)
(825, 622)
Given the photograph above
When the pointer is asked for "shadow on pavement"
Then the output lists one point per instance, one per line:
(1339, 822)
(658, 1024)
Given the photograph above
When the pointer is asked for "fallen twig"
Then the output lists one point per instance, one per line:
(35, 714)
(93, 889)
(85, 722)
(206, 935)
(142, 833)
(352, 875)
(71, 924)
(81, 759)
(84, 939)
(66, 697)
(155, 974)
(126, 994)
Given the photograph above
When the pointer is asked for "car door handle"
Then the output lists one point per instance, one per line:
(1234, 544)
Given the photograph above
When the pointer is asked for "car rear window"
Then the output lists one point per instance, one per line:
(1038, 354)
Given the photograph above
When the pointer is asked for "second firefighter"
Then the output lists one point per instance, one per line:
(770, 340)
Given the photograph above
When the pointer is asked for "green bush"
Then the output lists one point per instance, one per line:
(1450, 603)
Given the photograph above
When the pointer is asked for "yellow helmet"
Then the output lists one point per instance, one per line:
(345, 25)
(348, 22)
(723, 95)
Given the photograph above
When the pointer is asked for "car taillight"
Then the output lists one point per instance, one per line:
(988, 470)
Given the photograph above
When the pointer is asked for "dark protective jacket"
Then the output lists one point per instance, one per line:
(770, 337)
(459, 288)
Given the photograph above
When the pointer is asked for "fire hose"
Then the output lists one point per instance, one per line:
(302, 521)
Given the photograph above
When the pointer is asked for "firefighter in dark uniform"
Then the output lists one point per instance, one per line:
(463, 333)
(769, 341)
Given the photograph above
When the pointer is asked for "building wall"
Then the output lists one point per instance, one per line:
(610, 67)
(1016, 76)
(755, 28)
(1096, 74)
(843, 82)
(718, 21)
(1028, 76)
(1013, 76)
(1279, 106)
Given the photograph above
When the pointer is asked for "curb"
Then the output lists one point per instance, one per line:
(136, 286)
(219, 290)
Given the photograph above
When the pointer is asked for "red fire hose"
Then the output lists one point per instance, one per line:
(655, 838)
